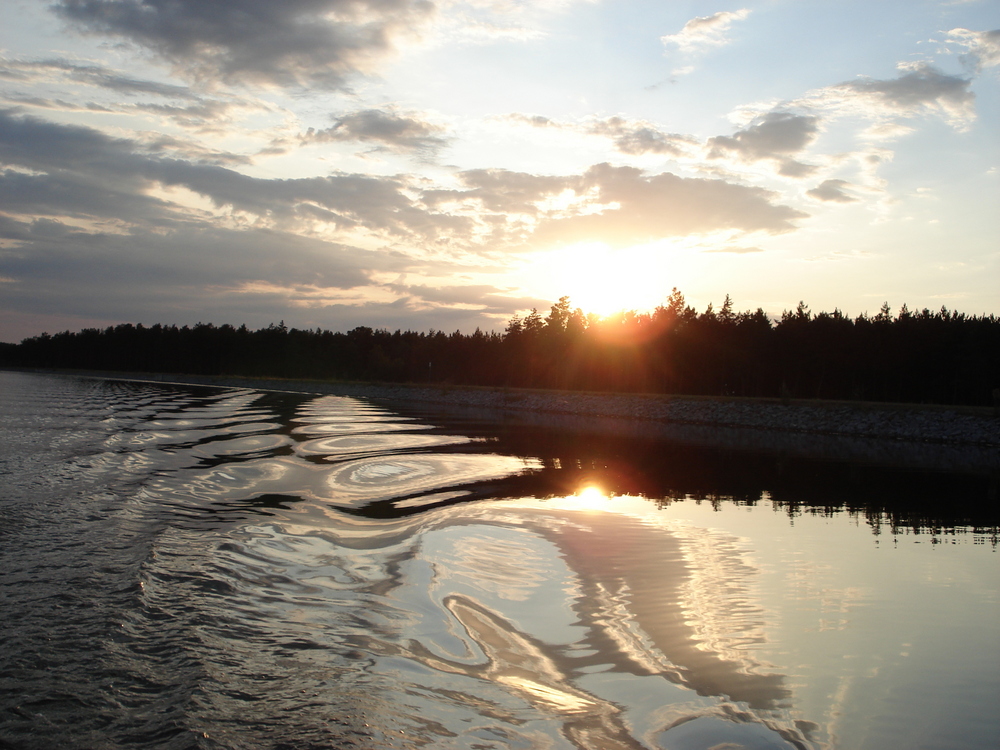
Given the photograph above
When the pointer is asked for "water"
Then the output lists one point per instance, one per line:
(201, 568)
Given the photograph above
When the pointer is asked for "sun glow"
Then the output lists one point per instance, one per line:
(590, 498)
(603, 280)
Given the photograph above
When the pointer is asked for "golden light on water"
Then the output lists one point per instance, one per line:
(591, 497)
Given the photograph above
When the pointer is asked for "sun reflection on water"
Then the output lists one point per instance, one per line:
(591, 497)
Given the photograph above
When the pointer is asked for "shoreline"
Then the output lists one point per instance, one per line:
(928, 436)
(969, 425)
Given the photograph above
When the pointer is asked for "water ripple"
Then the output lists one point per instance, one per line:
(201, 568)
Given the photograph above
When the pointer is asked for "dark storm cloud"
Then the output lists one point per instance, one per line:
(775, 136)
(287, 43)
(386, 129)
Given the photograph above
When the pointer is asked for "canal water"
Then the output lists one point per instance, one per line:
(186, 567)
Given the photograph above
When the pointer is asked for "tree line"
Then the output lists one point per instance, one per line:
(942, 357)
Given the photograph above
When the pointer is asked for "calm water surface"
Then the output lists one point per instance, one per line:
(204, 568)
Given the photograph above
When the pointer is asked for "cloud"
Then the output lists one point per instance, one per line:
(203, 115)
(983, 47)
(623, 205)
(651, 207)
(919, 88)
(59, 104)
(616, 205)
(832, 191)
(103, 227)
(636, 137)
(195, 256)
(184, 107)
(631, 137)
(199, 273)
(319, 43)
(74, 172)
(238, 276)
(75, 197)
(774, 136)
(501, 191)
(79, 170)
(91, 74)
(486, 21)
(704, 32)
(82, 175)
(464, 27)
(484, 297)
(387, 129)
(535, 121)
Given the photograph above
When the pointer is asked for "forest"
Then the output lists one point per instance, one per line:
(942, 357)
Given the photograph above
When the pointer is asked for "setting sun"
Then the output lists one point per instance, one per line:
(603, 280)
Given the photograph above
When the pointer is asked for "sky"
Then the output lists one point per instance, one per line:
(447, 164)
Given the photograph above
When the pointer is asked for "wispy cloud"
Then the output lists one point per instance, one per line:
(705, 32)
(982, 47)
(920, 88)
(385, 128)
(632, 137)
(92, 74)
(635, 137)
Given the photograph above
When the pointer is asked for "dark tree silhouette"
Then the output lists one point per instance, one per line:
(941, 357)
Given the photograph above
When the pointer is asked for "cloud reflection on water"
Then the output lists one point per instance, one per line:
(540, 602)
(591, 594)
(564, 611)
